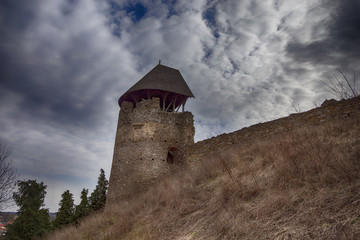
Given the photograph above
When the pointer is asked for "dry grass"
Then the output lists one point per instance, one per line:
(300, 185)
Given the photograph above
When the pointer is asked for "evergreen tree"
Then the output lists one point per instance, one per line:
(32, 222)
(65, 215)
(82, 210)
(98, 196)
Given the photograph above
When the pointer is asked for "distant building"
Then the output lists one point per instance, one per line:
(2, 229)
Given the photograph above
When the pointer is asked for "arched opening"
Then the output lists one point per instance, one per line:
(171, 155)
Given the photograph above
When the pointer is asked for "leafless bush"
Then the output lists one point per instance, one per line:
(295, 106)
(8, 176)
(341, 86)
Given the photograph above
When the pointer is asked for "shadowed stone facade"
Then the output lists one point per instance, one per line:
(150, 139)
(149, 144)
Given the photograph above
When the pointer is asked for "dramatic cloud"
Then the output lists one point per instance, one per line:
(64, 64)
(333, 40)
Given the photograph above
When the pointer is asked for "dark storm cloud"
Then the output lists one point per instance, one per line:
(340, 45)
(40, 76)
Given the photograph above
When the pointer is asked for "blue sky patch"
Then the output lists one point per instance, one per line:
(209, 16)
(136, 11)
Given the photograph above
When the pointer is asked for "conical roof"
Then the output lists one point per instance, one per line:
(161, 78)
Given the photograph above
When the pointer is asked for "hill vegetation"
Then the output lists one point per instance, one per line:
(302, 184)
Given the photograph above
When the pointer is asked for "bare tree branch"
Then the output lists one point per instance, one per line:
(295, 106)
(350, 88)
(8, 176)
(341, 86)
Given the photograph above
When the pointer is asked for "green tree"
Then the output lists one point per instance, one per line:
(32, 221)
(98, 196)
(82, 210)
(65, 215)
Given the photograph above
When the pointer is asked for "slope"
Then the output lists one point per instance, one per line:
(302, 184)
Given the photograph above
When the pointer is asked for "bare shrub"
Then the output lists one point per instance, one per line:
(8, 176)
(341, 86)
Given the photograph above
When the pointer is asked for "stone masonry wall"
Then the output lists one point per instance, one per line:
(146, 134)
(145, 138)
(330, 111)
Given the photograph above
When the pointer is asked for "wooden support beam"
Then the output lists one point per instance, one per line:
(169, 105)
(133, 98)
(183, 106)
(174, 103)
(164, 100)
(182, 103)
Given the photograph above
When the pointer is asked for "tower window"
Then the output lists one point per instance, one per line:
(137, 129)
(171, 155)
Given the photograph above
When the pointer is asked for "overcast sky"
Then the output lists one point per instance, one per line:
(65, 63)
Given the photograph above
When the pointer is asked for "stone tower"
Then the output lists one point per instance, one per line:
(151, 133)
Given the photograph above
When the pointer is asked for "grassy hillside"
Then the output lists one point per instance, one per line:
(298, 185)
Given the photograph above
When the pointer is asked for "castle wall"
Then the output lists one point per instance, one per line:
(146, 136)
(149, 143)
(330, 111)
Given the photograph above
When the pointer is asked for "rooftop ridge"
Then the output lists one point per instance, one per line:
(161, 78)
